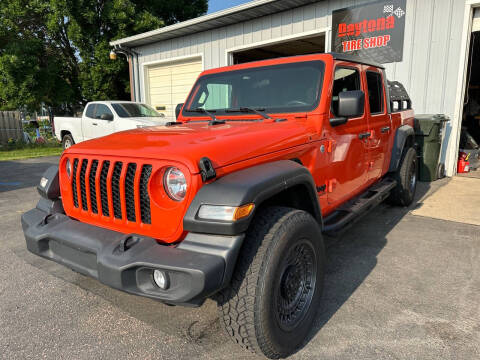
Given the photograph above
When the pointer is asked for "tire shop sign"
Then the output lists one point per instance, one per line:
(374, 31)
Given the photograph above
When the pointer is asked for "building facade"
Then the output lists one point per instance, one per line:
(166, 62)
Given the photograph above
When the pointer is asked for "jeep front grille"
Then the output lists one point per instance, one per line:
(113, 185)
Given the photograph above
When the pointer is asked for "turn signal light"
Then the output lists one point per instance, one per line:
(243, 211)
(225, 213)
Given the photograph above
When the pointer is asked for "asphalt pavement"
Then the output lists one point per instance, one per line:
(398, 286)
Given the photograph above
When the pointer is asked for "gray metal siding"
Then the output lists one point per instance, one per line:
(429, 69)
(432, 44)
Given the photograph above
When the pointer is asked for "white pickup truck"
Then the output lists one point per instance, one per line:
(102, 118)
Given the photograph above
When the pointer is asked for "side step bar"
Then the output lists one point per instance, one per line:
(347, 214)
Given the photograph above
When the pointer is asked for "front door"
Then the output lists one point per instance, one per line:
(348, 170)
(379, 125)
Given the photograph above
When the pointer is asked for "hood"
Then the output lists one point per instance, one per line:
(223, 144)
(148, 120)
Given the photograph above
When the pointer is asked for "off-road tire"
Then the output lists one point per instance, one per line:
(67, 141)
(406, 177)
(252, 308)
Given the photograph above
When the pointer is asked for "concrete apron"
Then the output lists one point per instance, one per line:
(458, 200)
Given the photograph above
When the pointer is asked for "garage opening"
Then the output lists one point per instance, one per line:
(469, 153)
(168, 83)
(307, 45)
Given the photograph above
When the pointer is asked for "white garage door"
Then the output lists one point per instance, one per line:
(169, 84)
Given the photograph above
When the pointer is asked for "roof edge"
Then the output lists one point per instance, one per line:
(197, 20)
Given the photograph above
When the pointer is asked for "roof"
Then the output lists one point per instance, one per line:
(250, 10)
(353, 58)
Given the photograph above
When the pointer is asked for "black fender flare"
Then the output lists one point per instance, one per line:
(401, 136)
(251, 185)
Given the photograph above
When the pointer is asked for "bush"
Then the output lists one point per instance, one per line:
(13, 144)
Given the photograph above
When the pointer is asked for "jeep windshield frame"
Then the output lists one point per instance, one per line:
(283, 88)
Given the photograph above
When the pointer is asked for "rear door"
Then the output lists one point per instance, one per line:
(88, 119)
(379, 124)
(348, 170)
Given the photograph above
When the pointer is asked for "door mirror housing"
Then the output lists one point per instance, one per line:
(351, 104)
(106, 116)
(178, 108)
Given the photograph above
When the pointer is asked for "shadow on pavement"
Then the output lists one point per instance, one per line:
(350, 259)
(352, 256)
(22, 174)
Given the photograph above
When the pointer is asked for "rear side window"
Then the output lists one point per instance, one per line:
(375, 92)
(346, 79)
(100, 110)
(90, 111)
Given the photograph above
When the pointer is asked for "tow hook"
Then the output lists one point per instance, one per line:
(127, 242)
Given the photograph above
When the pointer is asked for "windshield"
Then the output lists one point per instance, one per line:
(130, 110)
(275, 89)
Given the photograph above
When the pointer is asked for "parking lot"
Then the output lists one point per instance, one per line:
(398, 286)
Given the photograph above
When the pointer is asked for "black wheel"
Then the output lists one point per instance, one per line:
(67, 141)
(275, 291)
(406, 177)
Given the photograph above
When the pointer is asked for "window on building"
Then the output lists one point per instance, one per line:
(346, 79)
(375, 92)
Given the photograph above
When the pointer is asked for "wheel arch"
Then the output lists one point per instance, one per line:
(279, 183)
(404, 137)
(63, 133)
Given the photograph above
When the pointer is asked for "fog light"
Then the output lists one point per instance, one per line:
(161, 279)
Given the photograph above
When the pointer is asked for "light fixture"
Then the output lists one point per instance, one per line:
(68, 166)
(175, 184)
(113, 55)
(161, 279)
(225, 213)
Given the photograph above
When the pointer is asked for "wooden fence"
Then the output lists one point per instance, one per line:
(10, 126)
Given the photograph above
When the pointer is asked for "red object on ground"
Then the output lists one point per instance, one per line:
(463, 164)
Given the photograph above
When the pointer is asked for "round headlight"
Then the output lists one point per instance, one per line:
(68, 167)
(175, 184)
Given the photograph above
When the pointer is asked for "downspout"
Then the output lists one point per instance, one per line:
(131, 77)
(131, 55)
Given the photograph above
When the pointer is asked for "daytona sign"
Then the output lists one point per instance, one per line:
(374, 31)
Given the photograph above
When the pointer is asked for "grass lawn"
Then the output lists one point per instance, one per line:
(30, 152)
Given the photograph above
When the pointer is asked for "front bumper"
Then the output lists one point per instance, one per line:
(197, 268)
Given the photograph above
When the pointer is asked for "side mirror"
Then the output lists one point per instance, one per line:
(177, 110)
(350, 104)
(106, 116)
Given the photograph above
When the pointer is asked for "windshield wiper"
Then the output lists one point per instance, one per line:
(214, 120)
(260, 112)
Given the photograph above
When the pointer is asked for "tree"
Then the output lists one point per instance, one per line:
(56, 51)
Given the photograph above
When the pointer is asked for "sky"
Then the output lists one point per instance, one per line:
(217, 5)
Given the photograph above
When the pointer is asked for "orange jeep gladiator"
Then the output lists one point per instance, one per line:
(230, 201)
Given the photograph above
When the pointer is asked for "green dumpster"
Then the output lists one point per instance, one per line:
(428, 135)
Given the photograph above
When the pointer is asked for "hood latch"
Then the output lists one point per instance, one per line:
(206, 169)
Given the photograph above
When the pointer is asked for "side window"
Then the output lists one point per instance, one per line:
(90, 111)
(375, 92)
(102, 109)
(346, 79)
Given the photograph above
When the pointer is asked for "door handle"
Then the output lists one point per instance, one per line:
(385, 129)
(365, 135)
(94, 124)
